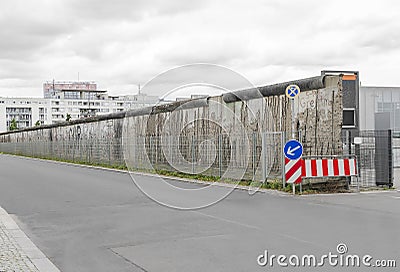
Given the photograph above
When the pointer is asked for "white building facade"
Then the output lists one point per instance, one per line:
(379, 108)
(25, 111)
(66, 99)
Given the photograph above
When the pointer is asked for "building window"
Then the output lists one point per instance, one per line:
(71, 95)
(349, 118)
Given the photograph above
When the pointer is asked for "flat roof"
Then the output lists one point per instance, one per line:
(82, 90)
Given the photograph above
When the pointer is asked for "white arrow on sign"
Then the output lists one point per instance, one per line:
(291, 151)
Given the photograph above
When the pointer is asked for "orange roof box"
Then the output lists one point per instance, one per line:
(349, 77)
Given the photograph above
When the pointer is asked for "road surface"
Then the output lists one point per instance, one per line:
(97, 220)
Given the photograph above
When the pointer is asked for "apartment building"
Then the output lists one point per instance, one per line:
(25, 111)
(66, 99)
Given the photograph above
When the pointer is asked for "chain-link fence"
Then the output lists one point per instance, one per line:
(257, 156)
(95, 151)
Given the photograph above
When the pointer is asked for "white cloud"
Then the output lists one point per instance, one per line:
(123, 43)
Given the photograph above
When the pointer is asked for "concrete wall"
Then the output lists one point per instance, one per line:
(219, 136)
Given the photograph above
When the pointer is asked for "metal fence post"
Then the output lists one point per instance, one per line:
(254, 156)
(357, 151)
(73, 148)
(390, 155)
(263, 157)
(109, 152)
(301, 182)
(349, 141)
(192, 148)
(86, 149)
(220, 154)
(358, 174)
(170, 157)
(157, 137)
(283, 138)
(151, 150)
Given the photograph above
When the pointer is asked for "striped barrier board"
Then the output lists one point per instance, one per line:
(329, 168)
(293, 170)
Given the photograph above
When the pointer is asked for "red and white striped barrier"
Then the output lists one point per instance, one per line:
(293, 170)
(329, 168)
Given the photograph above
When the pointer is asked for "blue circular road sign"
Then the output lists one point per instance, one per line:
(292, 91)
(293, 149)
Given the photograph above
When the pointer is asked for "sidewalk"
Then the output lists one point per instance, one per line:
(17, 252)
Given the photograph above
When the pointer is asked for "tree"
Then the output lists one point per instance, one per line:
(37, 123)
(68, 117)
(13, 124)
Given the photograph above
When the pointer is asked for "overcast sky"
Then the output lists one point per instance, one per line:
(123, 43)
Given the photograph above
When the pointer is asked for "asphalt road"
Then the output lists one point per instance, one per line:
(98, 220)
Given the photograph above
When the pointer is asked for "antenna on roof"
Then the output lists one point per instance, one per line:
(138, 88)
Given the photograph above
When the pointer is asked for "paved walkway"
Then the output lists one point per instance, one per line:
(17, 252)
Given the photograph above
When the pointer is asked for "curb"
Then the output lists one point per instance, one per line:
(34, 254)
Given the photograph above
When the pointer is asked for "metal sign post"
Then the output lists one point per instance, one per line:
(292, 91)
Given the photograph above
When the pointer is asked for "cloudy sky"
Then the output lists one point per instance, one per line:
(123, 43)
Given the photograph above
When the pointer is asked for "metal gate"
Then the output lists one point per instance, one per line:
(375, 155)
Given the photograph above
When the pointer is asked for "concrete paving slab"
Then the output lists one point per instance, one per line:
(17, 251)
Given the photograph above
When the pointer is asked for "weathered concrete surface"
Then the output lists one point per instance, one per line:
(219, 136)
